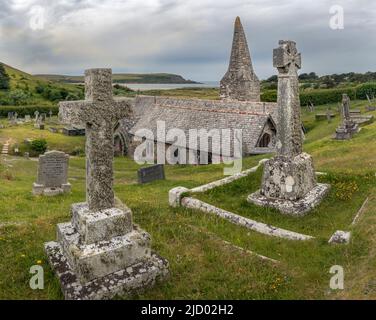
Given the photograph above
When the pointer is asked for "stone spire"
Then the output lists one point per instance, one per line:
(240, 81)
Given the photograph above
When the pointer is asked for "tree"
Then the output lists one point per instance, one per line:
(4, 78)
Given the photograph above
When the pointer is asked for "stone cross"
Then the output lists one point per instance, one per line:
(36, 114)
(289, 133)
(99, 113)
(345, 107)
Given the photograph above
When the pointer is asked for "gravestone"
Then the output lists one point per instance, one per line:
(53, 130)
(39, 123)
(27, 118)
(74, 131)
(36, 115)
(50, 113)
(371, 106)
(101, 253)
(348, 127)
(52, 174)
(151, 173)
(289, 181)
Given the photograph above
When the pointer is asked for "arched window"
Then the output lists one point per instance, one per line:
(265, 140)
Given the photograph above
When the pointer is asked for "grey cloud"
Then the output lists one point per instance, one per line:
(192, 38)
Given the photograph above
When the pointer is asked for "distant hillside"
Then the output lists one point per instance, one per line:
(123, 78)
(312, 81)
(25, 89)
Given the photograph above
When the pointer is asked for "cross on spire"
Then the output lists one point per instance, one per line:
(99, 113)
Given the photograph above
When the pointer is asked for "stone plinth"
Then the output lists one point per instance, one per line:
(126, 282)
(105, 248)
(287, 178)
(346, 131)
(299, 207)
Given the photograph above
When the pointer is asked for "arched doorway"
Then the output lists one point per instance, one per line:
(265, 140)
(119, 148)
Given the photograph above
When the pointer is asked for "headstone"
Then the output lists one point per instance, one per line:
(74, 131)
(50, 113)
(53, 130)
(39, 123)
(348, 127)
(52, 174)
(27, 118)
(111, 256)
(36, 115)
(151, 173)
(10, 115)
(240, 81)
(27, 155)
(289, 181)
(328, 115)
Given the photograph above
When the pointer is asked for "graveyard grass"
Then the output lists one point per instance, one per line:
(202, 265)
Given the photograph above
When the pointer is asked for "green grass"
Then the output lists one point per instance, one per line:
(202, 266)
(56, 141)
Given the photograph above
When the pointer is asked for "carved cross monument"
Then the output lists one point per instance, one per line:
(287, 60)
(99, 114)
(289, 182)
(348, 127)
(100, 253)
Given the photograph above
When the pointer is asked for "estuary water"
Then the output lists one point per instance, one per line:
(168, 86)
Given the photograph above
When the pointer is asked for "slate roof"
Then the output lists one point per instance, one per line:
(186, 114)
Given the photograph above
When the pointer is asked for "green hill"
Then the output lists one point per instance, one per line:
(26, 89)
(122, 78)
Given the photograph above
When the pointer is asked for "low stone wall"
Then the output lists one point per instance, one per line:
(259, 227)
(177, 198)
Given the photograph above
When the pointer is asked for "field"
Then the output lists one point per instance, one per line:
(203, 250)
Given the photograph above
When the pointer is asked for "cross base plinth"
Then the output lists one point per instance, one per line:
(102, 254)
(126, 282)
(289, 185)
(346, 132)
(288, 178)
(293, 207)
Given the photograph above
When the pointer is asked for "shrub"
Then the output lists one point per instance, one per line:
(39, 146)
(4, 78)
(18, 97)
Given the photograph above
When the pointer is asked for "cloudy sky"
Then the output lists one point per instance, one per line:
(192, 38)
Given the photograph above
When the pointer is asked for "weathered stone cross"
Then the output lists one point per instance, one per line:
(99, 113)
(345, 107)
(289, 132)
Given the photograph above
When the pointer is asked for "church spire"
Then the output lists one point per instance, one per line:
(240, 81)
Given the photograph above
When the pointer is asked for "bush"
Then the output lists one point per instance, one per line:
(4, 78)
(39, 146)
(324, 96)
(18, 97)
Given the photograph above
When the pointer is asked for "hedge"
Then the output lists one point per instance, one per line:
(324, 96)
(27, 110)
